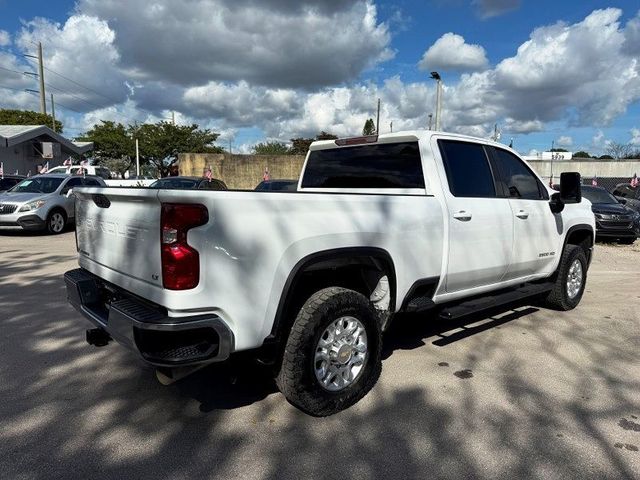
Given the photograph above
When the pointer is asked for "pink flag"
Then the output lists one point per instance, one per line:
(594, 182)
(84, 164)
(551, 181)
(2, 169)
(208, 174)
(67, 163)
(45, 168)
(635, 181)
(266, 175)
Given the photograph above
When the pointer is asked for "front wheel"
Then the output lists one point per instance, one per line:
(333, 354)
(56, 221)
(571, 279)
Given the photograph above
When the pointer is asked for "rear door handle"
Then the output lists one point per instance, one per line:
(462, 215)
(522, 214)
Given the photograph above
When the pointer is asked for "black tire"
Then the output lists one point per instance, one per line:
(297, 379)
(627, 241)
(56, 218)
(559, 298)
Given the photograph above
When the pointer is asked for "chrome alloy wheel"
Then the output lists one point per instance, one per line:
(56, 222)
(341, 354)
(574, 279)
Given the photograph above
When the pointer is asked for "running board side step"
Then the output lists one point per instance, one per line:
(489, 301)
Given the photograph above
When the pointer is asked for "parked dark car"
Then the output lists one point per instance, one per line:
(613, 220)
(9, 181)
(278, 185)
(189, 183)
(628, 195)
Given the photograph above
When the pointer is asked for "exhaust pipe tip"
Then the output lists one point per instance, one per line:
(98, 337)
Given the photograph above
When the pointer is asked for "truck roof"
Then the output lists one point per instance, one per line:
(406, 135)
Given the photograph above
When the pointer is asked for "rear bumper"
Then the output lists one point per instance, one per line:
(161, 340)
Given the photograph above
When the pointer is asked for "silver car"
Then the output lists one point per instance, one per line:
(43, 202)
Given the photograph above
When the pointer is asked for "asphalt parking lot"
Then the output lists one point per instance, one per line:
(523, 393)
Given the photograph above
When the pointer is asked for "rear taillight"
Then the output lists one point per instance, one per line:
(180, 261)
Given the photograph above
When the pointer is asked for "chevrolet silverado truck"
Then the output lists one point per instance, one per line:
(309, 280)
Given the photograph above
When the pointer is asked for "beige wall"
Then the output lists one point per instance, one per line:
(587, 168)
(241, 171)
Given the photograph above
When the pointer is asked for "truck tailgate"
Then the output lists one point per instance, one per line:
(118, 229)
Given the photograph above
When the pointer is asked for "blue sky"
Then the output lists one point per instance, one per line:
(277, 69)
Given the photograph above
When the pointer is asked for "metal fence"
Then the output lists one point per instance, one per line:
(608, 183)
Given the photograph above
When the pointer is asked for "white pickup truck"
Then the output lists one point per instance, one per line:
(309, 280)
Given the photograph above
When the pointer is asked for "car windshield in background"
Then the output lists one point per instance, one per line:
(278, 185)
(597, 195)
(37, 185)
(177, 183)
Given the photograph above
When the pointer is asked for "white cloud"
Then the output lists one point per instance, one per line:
(280, 43)
(5, 38)
(493, 8)
(635, 136)
(564, 141)
(450, 52)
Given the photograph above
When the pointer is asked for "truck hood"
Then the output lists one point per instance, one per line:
(610, 208)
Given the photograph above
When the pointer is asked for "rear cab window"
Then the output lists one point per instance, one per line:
(468, 169)
(377, 168)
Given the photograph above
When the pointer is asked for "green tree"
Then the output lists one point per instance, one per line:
(369, 127)
(27, 117)
(271, 148)
(558, 150)
(326, 136)
(160, 143)
(605, 157)
(113, 145)
(582, 154)
(300, 146)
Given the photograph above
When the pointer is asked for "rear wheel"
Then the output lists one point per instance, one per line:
(571, 279)
(333, 354)
(56, 221)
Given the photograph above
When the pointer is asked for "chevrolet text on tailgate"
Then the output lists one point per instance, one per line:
(308, 280)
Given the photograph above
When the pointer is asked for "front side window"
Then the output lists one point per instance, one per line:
(468, 170)
(519, 180)
(386, 165)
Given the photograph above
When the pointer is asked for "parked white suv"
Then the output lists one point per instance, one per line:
(409, 221)
(43, 202)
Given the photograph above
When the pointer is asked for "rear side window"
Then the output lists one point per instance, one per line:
(518, 179)
(468, 170)
(387, 165)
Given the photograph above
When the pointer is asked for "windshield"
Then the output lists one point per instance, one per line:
(598, 195)
(186, 183)
(37, 185)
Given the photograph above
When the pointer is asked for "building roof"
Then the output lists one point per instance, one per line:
(11, 135)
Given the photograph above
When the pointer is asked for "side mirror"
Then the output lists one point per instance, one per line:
(555, 203)
(570, 187)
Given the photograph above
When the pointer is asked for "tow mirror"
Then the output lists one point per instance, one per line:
(570, 187)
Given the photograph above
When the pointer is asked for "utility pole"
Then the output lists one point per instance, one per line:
(378, 119)
(438, 79)
(53, 113)
(137, 159)
(173, 118)
(230, 153)
(430, 120)
(391, 127)
(43, 104)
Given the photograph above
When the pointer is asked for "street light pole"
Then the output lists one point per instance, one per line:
(438, 79)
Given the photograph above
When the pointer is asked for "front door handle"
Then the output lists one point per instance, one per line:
(462, 215)
(522, 214)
